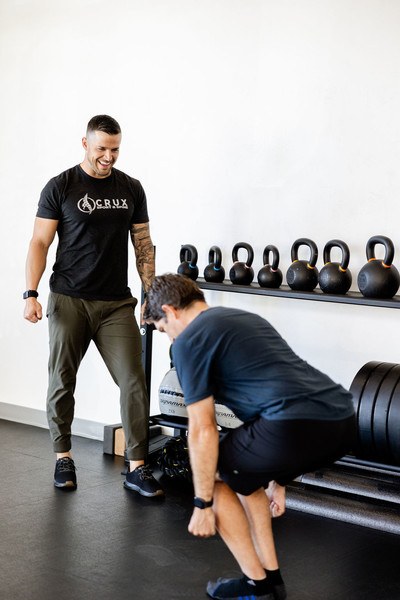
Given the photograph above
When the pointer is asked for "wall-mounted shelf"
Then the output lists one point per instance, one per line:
(286, 292)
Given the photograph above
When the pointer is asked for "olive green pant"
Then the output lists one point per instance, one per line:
(73, 324)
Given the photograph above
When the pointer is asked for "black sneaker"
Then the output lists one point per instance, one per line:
(141, 480)
(64, 474)
(238, 589)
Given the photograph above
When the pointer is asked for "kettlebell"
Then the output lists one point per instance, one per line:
(269, 276)
(214, 272)
(379, 279)
(241, 273)
(303, 275)
(188, 258)
(334, 277)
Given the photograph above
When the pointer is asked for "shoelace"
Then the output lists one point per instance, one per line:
(145, 472)
(65, 464)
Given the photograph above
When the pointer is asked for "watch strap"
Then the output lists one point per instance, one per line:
(200, 503)
(30, 294)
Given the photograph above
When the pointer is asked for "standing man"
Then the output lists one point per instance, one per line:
(93, 208)
(296, 419)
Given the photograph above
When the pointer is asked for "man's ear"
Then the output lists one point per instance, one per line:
(170, 311)
(84, 143)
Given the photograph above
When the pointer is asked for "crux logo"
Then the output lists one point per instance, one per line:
(88, 205)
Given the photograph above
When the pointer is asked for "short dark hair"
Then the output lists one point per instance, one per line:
(173, 289)
(103, 123)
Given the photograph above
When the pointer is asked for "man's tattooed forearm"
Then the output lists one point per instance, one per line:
(144, 252)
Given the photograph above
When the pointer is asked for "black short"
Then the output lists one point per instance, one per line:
(265, 450)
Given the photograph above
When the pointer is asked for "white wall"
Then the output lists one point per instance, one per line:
(246, 120)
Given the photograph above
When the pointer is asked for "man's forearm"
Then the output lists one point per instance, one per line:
(35, 265)
(144, 252)
(146, 272)
(203, 452)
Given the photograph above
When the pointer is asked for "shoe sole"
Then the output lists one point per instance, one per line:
(278, 593)
(212, 591)
(243, 597)
(68, 484)
(136, 488)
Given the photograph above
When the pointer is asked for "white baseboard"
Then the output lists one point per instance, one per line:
(37, 418)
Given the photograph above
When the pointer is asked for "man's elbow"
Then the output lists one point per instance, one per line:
(204, 433)
(38, 245)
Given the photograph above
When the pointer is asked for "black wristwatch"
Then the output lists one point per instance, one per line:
(200, 503)
(30, 294)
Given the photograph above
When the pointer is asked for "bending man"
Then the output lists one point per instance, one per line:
(295, 418)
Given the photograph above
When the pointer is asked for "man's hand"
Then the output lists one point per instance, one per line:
(276, 497)
(202, 522)
(142, 321)
(33, 310)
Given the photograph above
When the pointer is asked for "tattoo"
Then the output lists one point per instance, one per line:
(144, 252)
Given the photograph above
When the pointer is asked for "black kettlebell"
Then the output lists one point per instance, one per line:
(269, 276)
(303, 275)
(379, 279)
(334, 277)
(214, 272)
(188, 258)
(241, 273)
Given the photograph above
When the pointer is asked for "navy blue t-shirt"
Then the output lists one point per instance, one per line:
(95, 217)
(240, 359)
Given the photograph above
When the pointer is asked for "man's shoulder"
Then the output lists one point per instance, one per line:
(211, 322)
(225, 312)
(63, 177)
(221, 321)
(124, 177)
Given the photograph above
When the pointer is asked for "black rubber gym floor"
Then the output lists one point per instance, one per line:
(104, 542)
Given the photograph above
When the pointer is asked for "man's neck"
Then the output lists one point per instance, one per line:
(191, 312)
(89, 171)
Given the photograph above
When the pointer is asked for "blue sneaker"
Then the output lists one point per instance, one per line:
(239, 589)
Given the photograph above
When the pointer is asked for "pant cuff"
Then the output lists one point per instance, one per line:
(62, 446)
(136, 453)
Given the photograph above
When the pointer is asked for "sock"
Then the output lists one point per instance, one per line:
(261, 587)
(274, 577)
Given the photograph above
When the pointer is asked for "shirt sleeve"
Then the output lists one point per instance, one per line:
(50, 202)
(194, 370)
(140, 214)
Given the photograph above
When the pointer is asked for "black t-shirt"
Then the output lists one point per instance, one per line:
(241, 360)
(95, 217)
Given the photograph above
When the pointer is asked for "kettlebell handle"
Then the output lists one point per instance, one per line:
(250, 253)
(275, 256)
(345, 253)
(389, 249)
(188, 253)
(215, 257)
(313, 251)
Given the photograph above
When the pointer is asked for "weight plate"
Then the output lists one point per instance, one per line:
(357, 388)
(367, 407)
(360, 379)
(393, 426)
(380, 416)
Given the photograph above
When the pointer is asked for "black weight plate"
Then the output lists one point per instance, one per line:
(359, 381)
(393, 426)
(357, 388)
(380, 416)
(366, 409)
